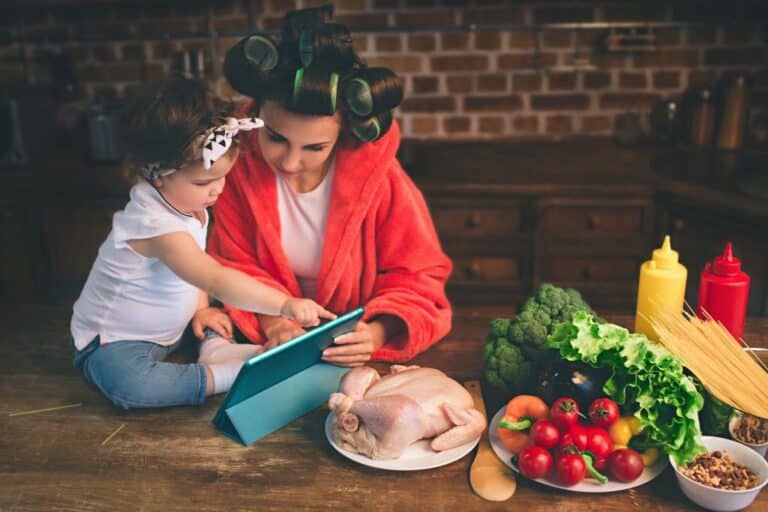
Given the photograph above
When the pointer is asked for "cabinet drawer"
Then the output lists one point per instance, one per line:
(575, 269)
(595, 217)
(484, 268)
(461, 218)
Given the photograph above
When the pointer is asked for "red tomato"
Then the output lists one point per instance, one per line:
(571, 469)
(576, 436)
(535, 462)
(603, 412)
(625, 464)
(545, 434)
(600, 464)
(564, 413)
(599, 442)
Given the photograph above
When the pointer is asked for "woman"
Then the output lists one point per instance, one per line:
(317, 205)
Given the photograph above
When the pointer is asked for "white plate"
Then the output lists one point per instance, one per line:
(586, 485)
(416, 457)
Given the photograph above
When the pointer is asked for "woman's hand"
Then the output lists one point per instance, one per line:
(214, 318)
(355, 348)
(278, 330)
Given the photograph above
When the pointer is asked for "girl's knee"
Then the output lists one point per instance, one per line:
(128, 382)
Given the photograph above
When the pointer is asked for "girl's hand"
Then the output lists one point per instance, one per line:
(305, 311)
(214, 318)
(279, 330)
(355, 348)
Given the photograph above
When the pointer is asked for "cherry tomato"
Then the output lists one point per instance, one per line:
(535, 462)
(545, 434)
(576, 436)
(564, 413)
(603, 412)
(601, 464)
(598, 442)
(625, 464)
(570, 469)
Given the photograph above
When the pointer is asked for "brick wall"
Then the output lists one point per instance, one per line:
(496, 82)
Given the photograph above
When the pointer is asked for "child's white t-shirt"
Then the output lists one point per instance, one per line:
(303, 218)
(131, 297)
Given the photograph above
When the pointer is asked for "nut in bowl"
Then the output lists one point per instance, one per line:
(730, 455)
(750, 431)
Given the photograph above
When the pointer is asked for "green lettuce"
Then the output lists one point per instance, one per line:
(645, 376)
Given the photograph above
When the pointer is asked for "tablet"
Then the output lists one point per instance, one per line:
(277, 364)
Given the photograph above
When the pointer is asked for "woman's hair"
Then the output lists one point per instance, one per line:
(166, 119)
(315, 70)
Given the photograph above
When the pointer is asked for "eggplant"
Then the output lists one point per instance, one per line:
(576, 380)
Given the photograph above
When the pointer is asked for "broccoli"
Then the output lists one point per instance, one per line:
(517, 349)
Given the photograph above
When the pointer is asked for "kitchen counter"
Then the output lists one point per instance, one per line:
(175, 460)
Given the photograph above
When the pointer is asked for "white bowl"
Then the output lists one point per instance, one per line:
(720, 499)
(735, 418)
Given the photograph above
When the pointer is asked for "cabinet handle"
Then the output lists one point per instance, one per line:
(678, 224)
(473, 269)
(473, 220)
(593, 221)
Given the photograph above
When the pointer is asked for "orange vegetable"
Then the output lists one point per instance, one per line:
(521, 412)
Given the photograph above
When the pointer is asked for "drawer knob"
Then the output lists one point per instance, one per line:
(473, 269)
(678, 224)
(593, 222)
(473, 220)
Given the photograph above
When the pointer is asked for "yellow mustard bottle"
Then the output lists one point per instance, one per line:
(661, 287)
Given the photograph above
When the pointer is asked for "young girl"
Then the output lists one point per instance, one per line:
(152, 275)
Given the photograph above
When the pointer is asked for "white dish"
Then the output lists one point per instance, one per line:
(736, 417)
(588, 485)
(416, 457)
(719, 499)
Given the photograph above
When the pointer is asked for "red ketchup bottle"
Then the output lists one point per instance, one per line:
(723, 292)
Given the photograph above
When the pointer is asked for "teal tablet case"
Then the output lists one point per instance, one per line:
(281, 384)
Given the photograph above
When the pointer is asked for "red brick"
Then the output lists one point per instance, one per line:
(271, 22)
(429, 104)
(738, 34)
(525, 123)
(281, 6)
(458, 83)
(590, 37)
(455, 40)
(493, 16)
(362, 21)
(559, 101)
(156, 71)
(492, 103)
(667, 58)
(666, 80)
(134, 52)
(491, 124)
(401, 64)
(559, 125)
(701, 77)
(349, 5)
(443, 17)
(388, 43)
(80, 53)
(231, 24)
(495, 82)
(456, 124)
(104, 53)
(421, 42)
(124, 71)
(466, 62)
(635, 13)
(629, 80)
(628, 100)
(487, 40)
(360, 43)
(750, 56)
(557, 38)
(521, 40)
(91, 72)
(526, 82)
(423, 125)
(668, 36)
(526, 60)
(563, 14)
(386, 4)
(701, 34)
(606, 60)
(424, 84)
(561, 81)
(592, 124)
(597, 80)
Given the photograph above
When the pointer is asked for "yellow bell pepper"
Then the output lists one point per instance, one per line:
(623, 430)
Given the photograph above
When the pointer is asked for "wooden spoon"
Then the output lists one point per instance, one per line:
(488, 476)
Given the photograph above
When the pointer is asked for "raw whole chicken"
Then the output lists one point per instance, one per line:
(381, 416)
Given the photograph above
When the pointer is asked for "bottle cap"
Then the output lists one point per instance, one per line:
(664, 256)
(727, 264)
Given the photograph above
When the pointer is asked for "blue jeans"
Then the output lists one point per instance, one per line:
(132, 374)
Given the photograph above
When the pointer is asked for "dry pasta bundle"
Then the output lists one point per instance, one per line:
(717, 359)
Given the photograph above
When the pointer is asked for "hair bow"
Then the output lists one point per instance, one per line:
(220, 139)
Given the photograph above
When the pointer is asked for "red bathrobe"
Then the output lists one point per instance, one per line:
(381, 250)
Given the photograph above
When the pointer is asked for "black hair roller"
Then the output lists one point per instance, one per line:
(248, 63)
(370, 129)
(372, 90)
(315, 91)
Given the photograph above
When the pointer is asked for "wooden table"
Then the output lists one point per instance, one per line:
(174, 459)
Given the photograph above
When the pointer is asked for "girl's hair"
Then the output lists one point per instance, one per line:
(315, 70)
(165, 120)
